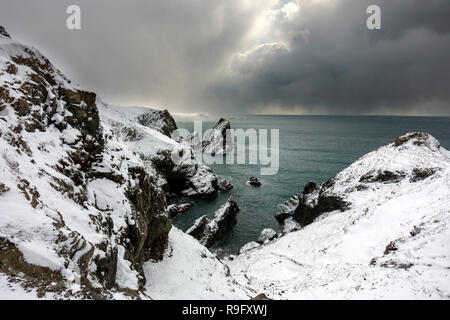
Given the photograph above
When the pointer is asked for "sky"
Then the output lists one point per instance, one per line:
(226, 57)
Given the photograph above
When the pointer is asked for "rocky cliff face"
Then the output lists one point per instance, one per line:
(77, 207)
(188, 176)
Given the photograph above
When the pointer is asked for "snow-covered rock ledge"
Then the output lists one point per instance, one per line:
(392, 240)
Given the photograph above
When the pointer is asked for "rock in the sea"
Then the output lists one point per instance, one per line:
(178, 208)
(253, 181)
(209, 231)
(223, 184)
(218, 139)
(267, 235)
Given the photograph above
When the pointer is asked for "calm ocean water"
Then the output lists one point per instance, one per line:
(311, 148)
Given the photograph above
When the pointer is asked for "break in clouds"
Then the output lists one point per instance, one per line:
(244, 56)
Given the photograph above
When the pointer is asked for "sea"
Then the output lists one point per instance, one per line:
(311, 148)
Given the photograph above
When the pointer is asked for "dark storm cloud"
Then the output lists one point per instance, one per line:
(221, 57)
(134, 51)
(344, 68)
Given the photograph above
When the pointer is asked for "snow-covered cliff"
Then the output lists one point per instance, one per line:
(391, 240)
(83, 185)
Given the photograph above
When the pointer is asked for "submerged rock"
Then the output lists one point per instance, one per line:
(209, 231)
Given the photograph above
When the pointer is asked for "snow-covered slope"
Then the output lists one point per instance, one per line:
(393, 241)
(82, 206)
(191, 271)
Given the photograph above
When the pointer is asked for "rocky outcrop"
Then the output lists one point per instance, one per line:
(218, 140)
(210, 231)
(287, 209)
(309, 206)
(160, 120)
(303, 208)
(178, 208)
(267, 235)
(194, 180)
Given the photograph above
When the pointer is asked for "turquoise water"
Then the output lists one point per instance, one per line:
(311, 148)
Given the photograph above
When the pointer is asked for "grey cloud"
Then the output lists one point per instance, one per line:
(184, 55)
(343, 68)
